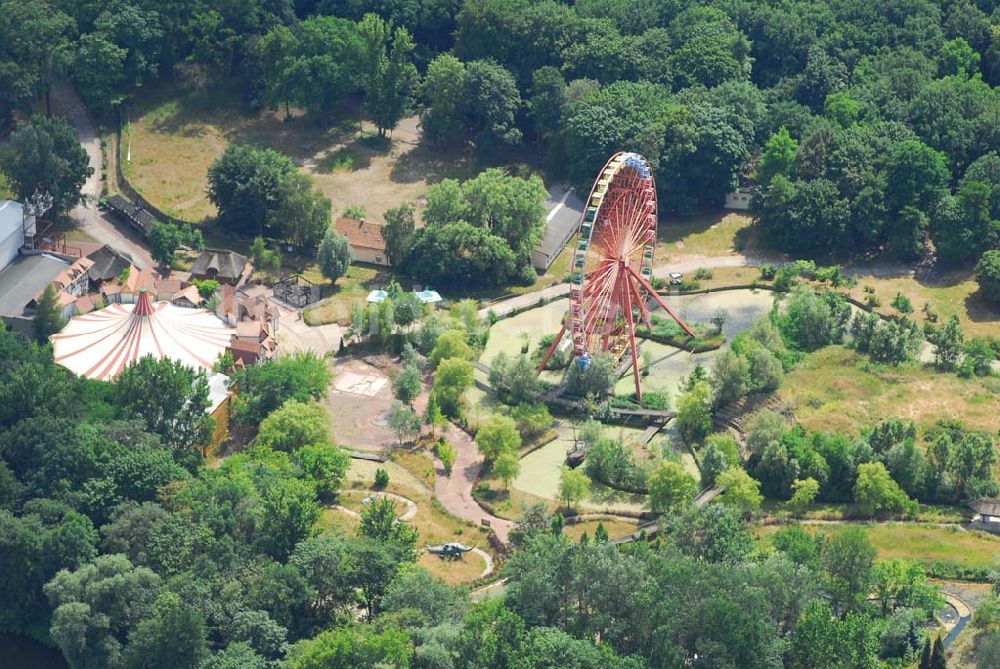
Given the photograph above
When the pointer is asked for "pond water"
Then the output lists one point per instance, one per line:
(540, 472)
(670, 364)
(18, 652)
(506, 334)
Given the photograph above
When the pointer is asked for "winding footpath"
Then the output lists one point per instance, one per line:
(455, 491)
(91, 220)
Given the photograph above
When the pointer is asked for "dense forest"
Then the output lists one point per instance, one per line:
(866, 127)
(124, 552)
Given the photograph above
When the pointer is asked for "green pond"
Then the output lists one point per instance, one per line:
(540, 472)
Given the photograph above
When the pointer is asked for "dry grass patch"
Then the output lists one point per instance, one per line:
(433, 524)
(180, 127)
(353, 500)
(954, 293)
(914, 541)
(615, 528)
(836, 389)
(710, 234)
(453, 572)
(418, 463)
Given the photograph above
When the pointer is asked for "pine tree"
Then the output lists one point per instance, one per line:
(601, 534)
(48, 317)
(938, 659)
(925, 656)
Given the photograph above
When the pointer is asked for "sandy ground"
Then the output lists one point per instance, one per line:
(358, 410)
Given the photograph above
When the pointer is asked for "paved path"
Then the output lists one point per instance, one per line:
(488, 559)
(455, 491)
(295, 335)
(964, 616)
(87, 216)
(411, 506)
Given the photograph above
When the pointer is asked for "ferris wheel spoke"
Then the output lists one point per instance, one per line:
(659, 300)
(640, 300)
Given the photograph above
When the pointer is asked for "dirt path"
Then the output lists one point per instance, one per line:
(411, 506)
(455, 491)
(86, 215)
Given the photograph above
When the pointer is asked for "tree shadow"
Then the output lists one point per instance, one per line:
(981, 310)
(431, 164)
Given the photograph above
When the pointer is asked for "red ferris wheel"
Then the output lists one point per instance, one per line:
(613, 265)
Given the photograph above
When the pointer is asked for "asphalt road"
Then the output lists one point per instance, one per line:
(87, 216)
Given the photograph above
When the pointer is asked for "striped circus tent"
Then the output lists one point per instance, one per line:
(99, 345)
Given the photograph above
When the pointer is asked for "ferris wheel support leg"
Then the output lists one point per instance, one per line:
(632, 350)
(552, 348)
(659, 300)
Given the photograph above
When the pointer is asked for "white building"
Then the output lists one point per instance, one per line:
(11, 231)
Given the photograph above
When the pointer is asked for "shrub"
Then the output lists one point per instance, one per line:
(655, 400)
(206, 287)
(381, 478)
(610, 461)
(902, 304)
(988, 275)
(527, 275)
(768, 272)
(814, 320)
(703, 274)
(532, 419)
(355, 212)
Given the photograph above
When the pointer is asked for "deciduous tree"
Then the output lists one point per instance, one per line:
(46, 156)
(670, 488)
(244, 183)
(498, 435)
(334, 255)
(295, 424)
(170, 398)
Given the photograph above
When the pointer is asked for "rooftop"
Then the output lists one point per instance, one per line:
(11, 218)
(100, 344)
(108, 263)
(25, 278)
(361, 234)
(221, 263)
(986, 506)
(561, 222)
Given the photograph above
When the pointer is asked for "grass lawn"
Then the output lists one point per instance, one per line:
(335, 520)
(350, 289)
(508, 503)
(710, 234)
(615, 528)
(924, 543)
(418, 463)
(454, 572)
(955, 293)
(835, 389)
(928, 513)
